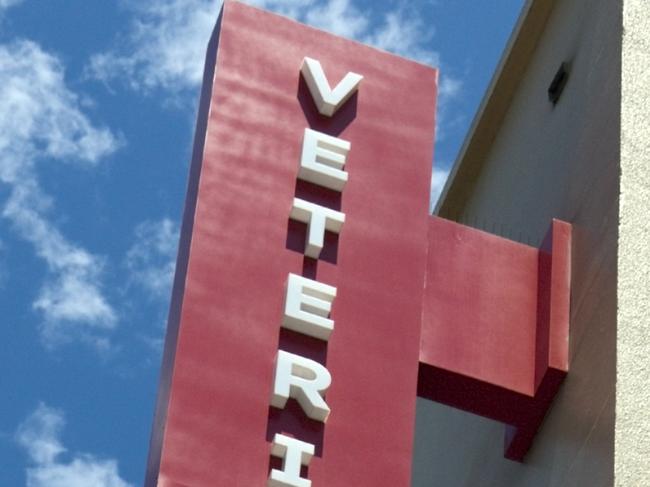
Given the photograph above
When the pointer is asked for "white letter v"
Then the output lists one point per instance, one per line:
(328, 100)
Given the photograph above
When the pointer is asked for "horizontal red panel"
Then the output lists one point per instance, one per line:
(495, 325)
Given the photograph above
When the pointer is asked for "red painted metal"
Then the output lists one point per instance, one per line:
(489, 327)
(214, 423)
(495, 326)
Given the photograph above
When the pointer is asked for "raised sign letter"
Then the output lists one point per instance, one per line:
(307, 307)
(328, 100)
(303, 379)
(322, 160)
(294, 454)
(318, 219)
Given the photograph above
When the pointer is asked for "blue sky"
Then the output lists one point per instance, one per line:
(97, 106)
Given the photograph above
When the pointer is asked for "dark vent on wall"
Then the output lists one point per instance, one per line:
(557, 85)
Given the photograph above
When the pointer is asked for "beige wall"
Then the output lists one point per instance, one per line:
(633, 342)
(550, 161)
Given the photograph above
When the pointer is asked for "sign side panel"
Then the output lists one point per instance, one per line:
(173, 321)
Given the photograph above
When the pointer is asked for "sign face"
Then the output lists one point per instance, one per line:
(295, 328)
(314, 296)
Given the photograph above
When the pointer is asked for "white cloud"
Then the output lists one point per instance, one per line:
(340, 17)
(5, 4)
(39, 433)
(152, 258)
(406, 36)
(40, 436)
(449, 87)
(438, 180)
(40, 122)
(449, 90)
(166, 43)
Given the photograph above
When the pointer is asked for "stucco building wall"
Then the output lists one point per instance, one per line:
(534, 162)
(633, 342)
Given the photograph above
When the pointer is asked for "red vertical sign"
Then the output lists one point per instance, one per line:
(214, 422)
